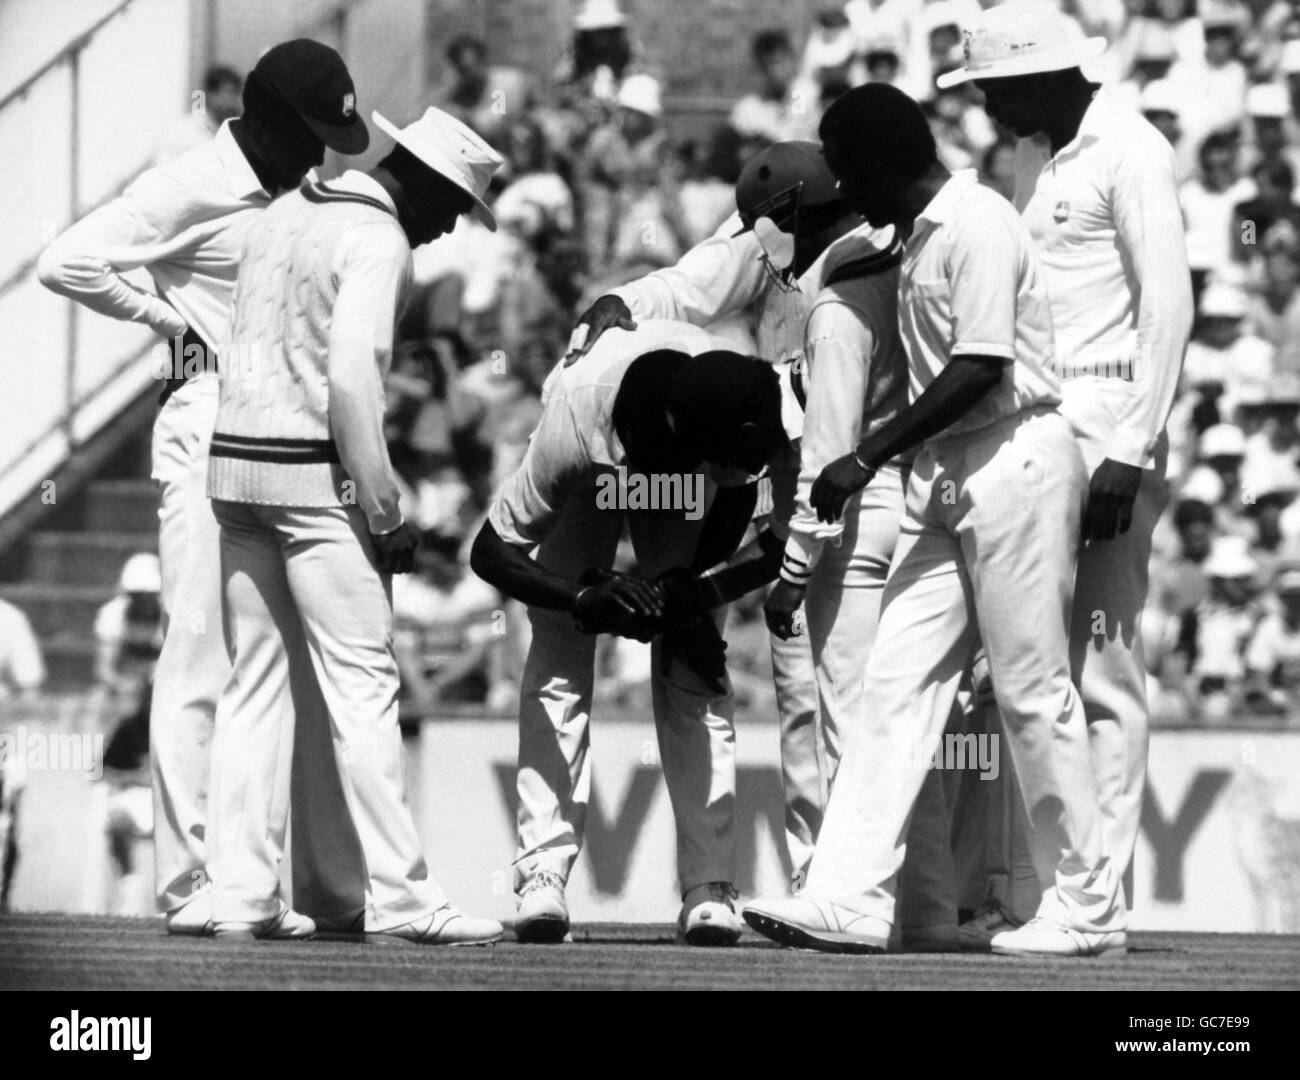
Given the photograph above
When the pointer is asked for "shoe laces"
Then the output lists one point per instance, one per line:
(991, 917)
(542, 879)
(723, 892)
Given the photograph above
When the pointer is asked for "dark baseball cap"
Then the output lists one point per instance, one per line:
(313, 80)
(782, 179)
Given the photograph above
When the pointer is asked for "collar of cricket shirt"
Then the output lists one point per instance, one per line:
(939, 210)
(355, 182)
(865, 243)
(243, 180)
(1098, 119)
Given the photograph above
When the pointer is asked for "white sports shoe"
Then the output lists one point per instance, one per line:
(285, 925)
(976, 933)
(708, 916)
(543, 913)
(193, 918)
(1039, 937)
(802, 923)
(445, 926)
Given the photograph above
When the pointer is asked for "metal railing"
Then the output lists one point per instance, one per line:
(61, 77)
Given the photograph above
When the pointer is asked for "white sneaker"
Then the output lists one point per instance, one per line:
(446, 926)
(284, 925)
(193, 918)
(708, 916)
(543, 913)
(976, 933)
(1038, 937)
(802, 923)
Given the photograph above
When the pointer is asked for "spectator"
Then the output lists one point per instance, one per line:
(1273, 654)
(998, 168)
(1216, 87)
(484, 96)
(1268, 106)
(1181, 583)
(443, 603)
(883, 61)
(1180, 19)
(1221, 351)
(128, 810)
(1162, 103)
(707, 200)
(128, 629)
(221, 100)
(1208, 200)
(782, 108)
(1151, 52)
(831, 62)
(628, 220)
(536, 197)
(1219, 629)
(882, 23)
(1274, 312)
(22, 672)
(1272, 206)
(1217, 480)
(22, 669)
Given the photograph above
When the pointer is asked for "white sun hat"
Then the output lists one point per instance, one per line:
(141, 574)
(1230, 558)
(642, 94)
(599, 15)
(1161, 96)
(1268, 100)
(1224, 302)
(452, 150)
(1222, 440)
(1289, 64)
(1021, 37)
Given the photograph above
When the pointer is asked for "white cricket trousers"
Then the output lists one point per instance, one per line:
(1110, 592)
(289, 570)
(842, 607)
(988, 540)
(803, 756)
(697, 743)
(192, 671)
(1106, 658)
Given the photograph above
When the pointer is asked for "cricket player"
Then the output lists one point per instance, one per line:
(989, 536)
(852, 370)
(186, 222)
(653, 405)
(1096, 185)
(312, 530)
(730, 272)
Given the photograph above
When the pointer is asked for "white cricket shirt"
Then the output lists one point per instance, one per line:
(185, 222)
(575, 435)
(971, 285)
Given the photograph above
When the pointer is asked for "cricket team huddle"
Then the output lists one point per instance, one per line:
(931, 418)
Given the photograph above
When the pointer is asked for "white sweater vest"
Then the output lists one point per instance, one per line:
(272, 443)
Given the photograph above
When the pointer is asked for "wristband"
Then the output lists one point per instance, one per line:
(863, 466)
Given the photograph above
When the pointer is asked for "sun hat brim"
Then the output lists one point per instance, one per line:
(1072, 55)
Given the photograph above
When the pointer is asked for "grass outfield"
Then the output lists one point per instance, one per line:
(66, 952)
